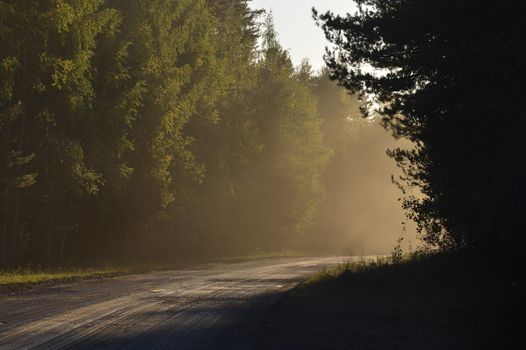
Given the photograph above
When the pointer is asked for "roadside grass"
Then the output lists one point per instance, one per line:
(32, 275)
(413, 271)
(26, 277)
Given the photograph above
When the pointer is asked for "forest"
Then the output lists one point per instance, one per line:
(163, 130)
(173, 129)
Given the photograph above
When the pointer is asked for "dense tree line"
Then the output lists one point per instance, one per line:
(449, 76)
(152, 129)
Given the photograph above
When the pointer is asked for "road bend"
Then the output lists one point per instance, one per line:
(212, 306)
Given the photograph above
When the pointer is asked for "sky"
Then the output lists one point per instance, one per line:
(297, 30)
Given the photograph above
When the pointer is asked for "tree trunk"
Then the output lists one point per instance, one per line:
(172, 239)
(127, 225)
(47, 217)
(3, 249)
(65, 231)
(5, 210)
(16, 213)
(62, 245)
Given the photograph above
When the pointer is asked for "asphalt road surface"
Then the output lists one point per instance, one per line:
(213, 306)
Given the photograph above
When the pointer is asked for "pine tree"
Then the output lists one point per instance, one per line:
(453, 88)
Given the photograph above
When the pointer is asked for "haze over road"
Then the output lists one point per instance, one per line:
(208, 306)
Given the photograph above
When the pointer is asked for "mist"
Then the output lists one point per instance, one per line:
(362, 213)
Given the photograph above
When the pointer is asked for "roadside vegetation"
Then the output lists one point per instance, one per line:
(29, 276)
(424, 301)
(421, 269)
(16, 280)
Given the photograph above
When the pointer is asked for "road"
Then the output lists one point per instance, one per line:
(213, 306)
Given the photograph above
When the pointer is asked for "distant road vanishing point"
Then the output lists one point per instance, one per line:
(212, 306)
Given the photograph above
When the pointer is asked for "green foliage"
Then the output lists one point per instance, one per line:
(151, 129)
(47, 101)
